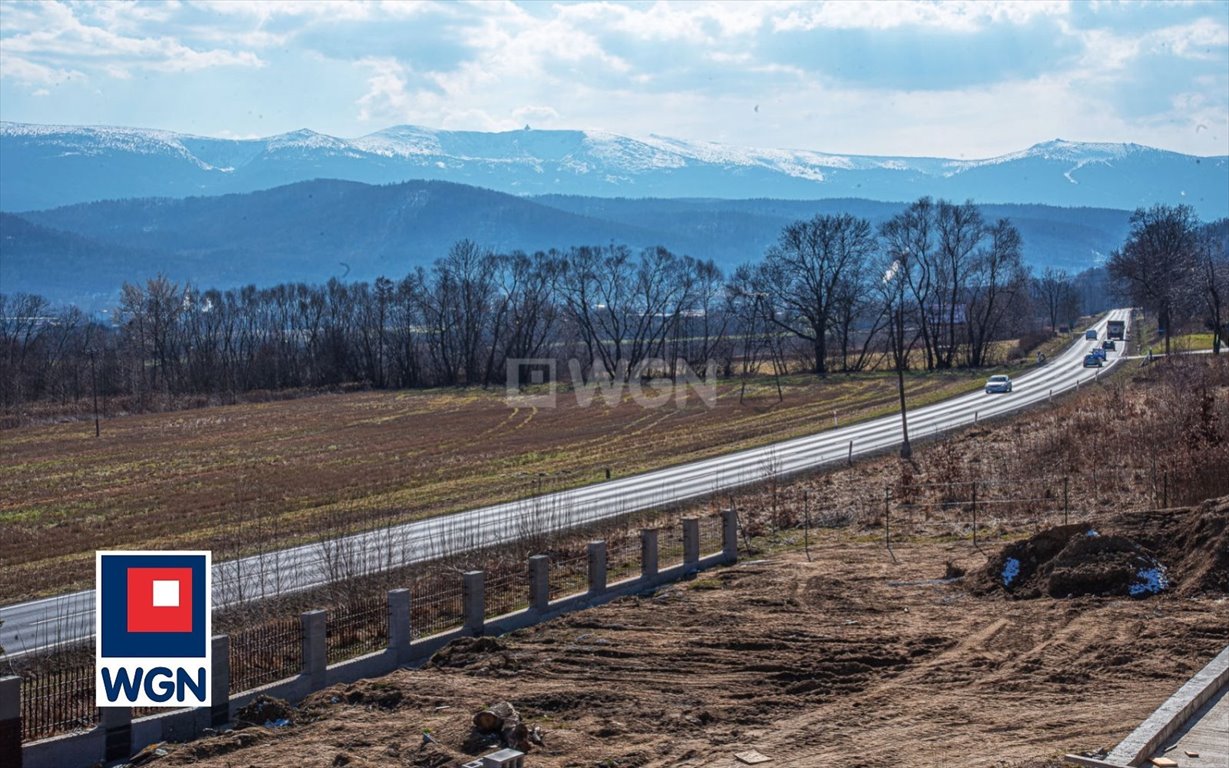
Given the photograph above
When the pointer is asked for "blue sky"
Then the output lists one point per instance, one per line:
(958, 79)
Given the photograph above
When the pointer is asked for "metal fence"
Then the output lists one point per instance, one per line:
(356, 627)
(568, 575)
(57, 689)
(265, 653)
(623, 559)
(506, 593)
(57, 692)
(436, 604)
(711, 531)
(669, 546)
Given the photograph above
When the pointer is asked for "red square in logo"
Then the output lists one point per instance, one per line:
(159, 599)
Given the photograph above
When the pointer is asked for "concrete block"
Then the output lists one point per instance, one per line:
(691, 542)
(648, 553)
(473, 601)
(10, 721)
(315, 648)
(116, 725)
(539, 583)
(597, 567)
(219, 710)
(729, 535)
(399, 630)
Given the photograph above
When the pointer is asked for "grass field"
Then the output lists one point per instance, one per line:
(332, 463)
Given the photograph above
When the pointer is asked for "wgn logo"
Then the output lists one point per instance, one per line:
(153, 640)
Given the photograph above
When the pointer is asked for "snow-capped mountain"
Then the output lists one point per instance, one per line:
(45, 166)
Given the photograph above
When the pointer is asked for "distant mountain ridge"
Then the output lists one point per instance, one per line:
(46, 166)
(312, 231)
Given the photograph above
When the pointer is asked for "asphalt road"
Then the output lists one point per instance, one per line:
(67, 618)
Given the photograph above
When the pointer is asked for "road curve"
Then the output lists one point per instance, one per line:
(68, 618)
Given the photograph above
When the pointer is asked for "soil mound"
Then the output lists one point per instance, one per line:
(1136, 554)
(1193, 542)
(265, 710)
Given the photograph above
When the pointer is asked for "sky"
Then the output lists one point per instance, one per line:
(944, 79)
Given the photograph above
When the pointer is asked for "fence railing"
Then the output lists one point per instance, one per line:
(364, 636)
(568, 575)
(506, 593)
(436, 605)
(265, 653)
(357, 627)
(57, 692)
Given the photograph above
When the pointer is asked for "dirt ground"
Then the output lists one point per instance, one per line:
(846, 659)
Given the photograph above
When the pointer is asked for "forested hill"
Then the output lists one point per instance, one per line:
(311, 231)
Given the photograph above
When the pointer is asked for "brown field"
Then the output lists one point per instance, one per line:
(231, 478)
(844, 659)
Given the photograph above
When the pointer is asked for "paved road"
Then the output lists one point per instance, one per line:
(69, 617)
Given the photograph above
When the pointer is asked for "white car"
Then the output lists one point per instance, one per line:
(1000, 383)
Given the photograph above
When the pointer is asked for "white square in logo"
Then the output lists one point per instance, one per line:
(166, 594)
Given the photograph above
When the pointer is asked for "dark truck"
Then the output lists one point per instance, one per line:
(1116, 329)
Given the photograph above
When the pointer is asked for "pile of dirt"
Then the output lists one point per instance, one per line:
(1192, 542)
(265, 710)
(476, 655)
(1136, 554)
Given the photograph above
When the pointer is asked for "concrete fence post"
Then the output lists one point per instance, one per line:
(648, 553)
(10, 721)
(116, 725)
(315, 648)
(729, 535)
(597, 567)
(400, 634)
(473, 601)
(539, 583)
(691, 543)
(219, 710)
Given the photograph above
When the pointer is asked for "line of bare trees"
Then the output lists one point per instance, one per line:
(1177, 268)
(819, 301)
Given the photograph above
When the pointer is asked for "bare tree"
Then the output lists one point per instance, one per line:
(997, 281)
(806, 272)
(1053, 291)
(1212, 278)
(1156, 263)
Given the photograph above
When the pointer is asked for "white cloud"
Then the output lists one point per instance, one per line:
(53, 38)
(541, 115)
(31, 73)
(959, 15)
(696, 70)
(387, 96)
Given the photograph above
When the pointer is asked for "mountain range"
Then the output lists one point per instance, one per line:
(311, 231)
(46, 166)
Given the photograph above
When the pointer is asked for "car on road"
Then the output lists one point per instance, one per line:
(1099, 353)
(1109, 344)
(998, 383)
(1093, 360)
(1091, 334)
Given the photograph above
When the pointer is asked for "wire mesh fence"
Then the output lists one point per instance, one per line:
(982, 510)
(57, 692)
(568, 575)
(711, 527)
(265, 653)
(356, 627)
(622, 559)
(506, 592)
(436, 604)
(669, 546)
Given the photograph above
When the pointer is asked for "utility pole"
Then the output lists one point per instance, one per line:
(94, 386)
(901, 353)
